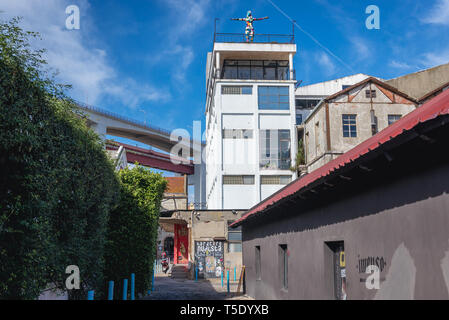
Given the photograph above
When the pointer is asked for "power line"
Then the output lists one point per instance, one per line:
(312, 37)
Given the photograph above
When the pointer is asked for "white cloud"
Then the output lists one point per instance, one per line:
(399, 65)
(439, 14)
(187, 17)
(325, 62)
(432, 59)
(361, 47)
(83, 66)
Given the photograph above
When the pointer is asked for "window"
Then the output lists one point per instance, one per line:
(370, 93)
(306, 103)
(234, 238)
(237, 90)
(275, 149)
(278, 180)
(237, 134)
(283, 265)
(273, 98)
(258, 264)
(256, 69)
(349, 125)
(298, 118)
(392, 118)
(238, 179)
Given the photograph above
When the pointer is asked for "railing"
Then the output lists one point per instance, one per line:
(258, 38)
(84, 106)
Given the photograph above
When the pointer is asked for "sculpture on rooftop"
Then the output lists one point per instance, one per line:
(249, 31)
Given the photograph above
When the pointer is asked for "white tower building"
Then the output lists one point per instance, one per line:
(250, 119)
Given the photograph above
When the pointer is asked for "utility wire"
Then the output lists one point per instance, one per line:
(312, 37)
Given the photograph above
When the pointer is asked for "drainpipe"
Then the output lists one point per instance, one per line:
(373, 115)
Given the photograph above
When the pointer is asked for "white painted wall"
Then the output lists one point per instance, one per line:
(327, 88)
(241, 156)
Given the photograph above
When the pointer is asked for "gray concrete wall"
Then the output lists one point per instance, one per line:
(420, 83)
(406, 223)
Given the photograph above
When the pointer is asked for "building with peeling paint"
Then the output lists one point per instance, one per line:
(345, 119)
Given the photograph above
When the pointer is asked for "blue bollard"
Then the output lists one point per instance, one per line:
(222, 278)
(111, 290)
(228, 281)
(235, 274)
(152, 282)
(125, 289)
(90, 295)
(133, 278)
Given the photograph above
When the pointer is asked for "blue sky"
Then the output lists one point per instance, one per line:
(146, 59)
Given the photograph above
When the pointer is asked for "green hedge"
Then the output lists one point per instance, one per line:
(132, 232)
(57, 185)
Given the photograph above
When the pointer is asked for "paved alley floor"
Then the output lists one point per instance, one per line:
(166, 288)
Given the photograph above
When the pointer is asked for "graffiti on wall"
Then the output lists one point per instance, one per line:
(372, 267)
(209, 258)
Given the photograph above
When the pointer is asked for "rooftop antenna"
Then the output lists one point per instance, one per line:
(215, 28)
(249, 30)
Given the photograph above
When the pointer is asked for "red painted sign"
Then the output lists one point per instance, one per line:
(181, 244)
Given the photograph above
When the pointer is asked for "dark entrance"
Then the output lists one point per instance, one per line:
(169, 245)
(339, 268)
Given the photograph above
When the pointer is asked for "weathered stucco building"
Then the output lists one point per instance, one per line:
(349, 117)
(379, 211)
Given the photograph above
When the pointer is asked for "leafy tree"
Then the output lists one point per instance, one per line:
(132, 232)
(57, 185)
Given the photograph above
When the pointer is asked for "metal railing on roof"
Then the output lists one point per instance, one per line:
(258, 38)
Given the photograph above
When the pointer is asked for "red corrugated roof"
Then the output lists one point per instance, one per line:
(430, 110)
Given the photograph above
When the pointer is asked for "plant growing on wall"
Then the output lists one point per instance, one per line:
(57, 185)
(300, 159)
(132, 231)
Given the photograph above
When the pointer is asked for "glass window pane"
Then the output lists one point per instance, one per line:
(244, 63)
(263, 90)
(257, 73)
(270, 73)
(282, 73)
(234, 236)
(270, 63)
(244, 72)
(235, 247)
(247, 90)
(283, 90)
(230, 72)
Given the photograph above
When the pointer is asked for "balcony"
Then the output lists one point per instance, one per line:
(258, 38)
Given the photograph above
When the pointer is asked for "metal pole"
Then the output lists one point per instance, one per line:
(222, 278)
(293, 30)
(196, 273)
(90, 295)
(133, 279)
(228, 280)
(235, 275)
(125, 289)
(111, 290)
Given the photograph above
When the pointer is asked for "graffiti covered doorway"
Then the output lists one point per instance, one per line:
(209, 258)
